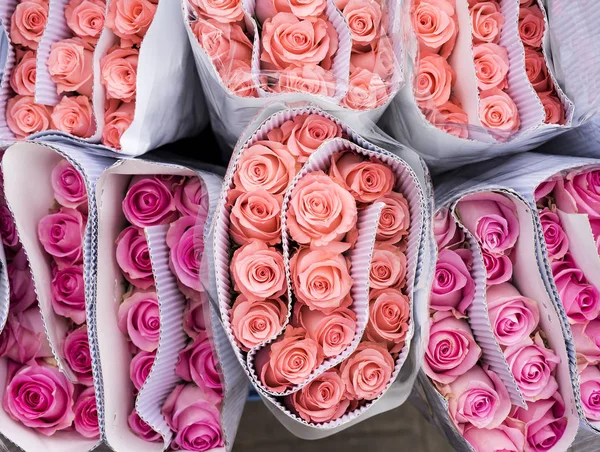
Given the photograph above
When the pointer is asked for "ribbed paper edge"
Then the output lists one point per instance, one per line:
(4, 289)
(6, 9)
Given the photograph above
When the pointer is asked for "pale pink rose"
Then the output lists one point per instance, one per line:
(364, 20)
(311, 79)
(389, 318)
(223, 42)
(76, 351)
(487, 21)
(254, 322)
(388, 267)
(310, 133)
(22, 77)
(366, 90)
(86, 414)
(61, 235)
(186, 244)
(282, 133)
(322, 400)
(255, 215)
(194, 317)
(141, 429)
(24, 117)
(394, 220)
(130, 19)
(191, 198)
(367, 372)
(498, 112)
(86, 18)
(450, 118)
(333, 331)
(118, 116)
(531, 26)
(267, 165)
(133, 257)
(22, 291)
(379, 60)
(140, 368)
(68, 293)
(587, 342)
(40, 397)
(433, 82)
(118, 73)
(505, 438)
(149, 202)
(453, 286)
(491, 66)
(74, 115)
(222, 10)
(580, 299)
(237, 76)
(582, 191)
(8, 229)
(24, 337)
(498, 267)
(289, 360)
(70, 66)
(451, 350)
(290, 41)
(28, 22)
(302, 9)
(557, 242)
(258, 272)
(590, 392)
(436, 26)
(320, 278)
(320, 211)
(553, 107)
(513, 317)
(446, 230)
(545, 423)
(198, 363)
(537, 70)
(68, 185)
(492, 219)
(139, 319)
(477, 397)
(367, 179)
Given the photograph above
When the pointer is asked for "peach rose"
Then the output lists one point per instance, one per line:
(221, 10)
(74, 115)
(130, 19)
(24, 117)
(118, 116)
(487, 21)
(531, 26)
(498, 111)
(367, 371)
(537, 70)
(28, 22)
(366, 179)
(389, 317)
(320, 278)
(394, 220)
(434, 81)
(320, 211)
(223, 42)
(289, 41)
(388, 267)
(450, 118)
(364, 21)
(491, 66)
(366, 91)
(22, 78)
(555, 111)
(118, 73)
(267, 165)
(310, 133)
(380, 60)
(303, 9)
(70, 66)
(311, 79)
(256, 215)
(289, 360)
(237, 76)
(436, 26)
(254, 322)
(86, 18)
(258, 271)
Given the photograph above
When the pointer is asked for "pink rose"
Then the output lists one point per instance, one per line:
(451, 350)
(86, 414)
(24, 337)
(61, 235)
(498, 111)
(364, 21)
(194, 415)
(487, 21)
(590, 392)
(310, 133)
(379, 60)
(491, 66)
(545, 423)
(22, 77)
(553, 107)
(557, 242)
(321, 211)
(198, 363)
(149, 202)
(254, 322)
(537, 70)
(223, 42)
(477, 397)
(322, 400)
(258, 271)
(388, 267)
(141, 429)
(86, 18)
(224, 11)
(130, 19)
(333, 332)
(453, 285)
(434, 81)
(367, 179)
(289, 360)
(290, 41)
(40, 397)
(450, 117)
(70, 66)
(546, 188)
(237, 77)
(492, 219)
(133, 257)
(24, 117)
(267, 165)
(436, 26)
(28, 22)
(302, 9)
(118, 72)
(366, 90)
(504, 438)
(140, 367)
(498, 267)
(533, 366)
(68, 293)
(22, 291)
(394, 220)
(194, 318)
(531, 26)
(68, 185)
(582, 190)
(118, 116)
(76, 350)
(255, 215)
(139, 318)
(74, 115)
(311, 79)
(513, 317)
(8, 229)
(191, 198)
(587, 342)
(185, 241)
(320, 278)
(446, 230)
(389, 318)
(367, 372)
(580, 299)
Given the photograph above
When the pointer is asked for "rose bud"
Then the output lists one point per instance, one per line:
(140, 368)
(61, 235)
(139, 318)
(86, 414)
(453, 285)
(68, 293)
(198, 363)
(367, 372)
(254, 322)
(69, 186)
(148, 202)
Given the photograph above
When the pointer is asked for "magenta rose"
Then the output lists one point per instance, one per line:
(453, 286)
(61, 235)
(76, 350)
(133, 257)
(185, 241)
(447, 232)
(194, 318)
(508, 437)
(140, 368)
(68, 293)
(191, 198)
(139, 318)
(24, 337)
(557, 242)
(8, 230)
(580, 299)
(589, 381)
(492, 219)
(141, 429)
(198, 363)
(498, 268)
(86, 414)
(68, 185)
(149, 202)
(451, 350)
(22, 291)
(40, 397)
